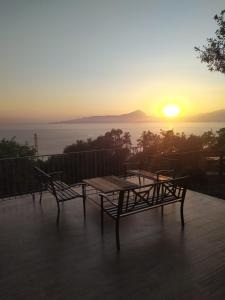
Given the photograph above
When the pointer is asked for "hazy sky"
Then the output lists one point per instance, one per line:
(65, 58)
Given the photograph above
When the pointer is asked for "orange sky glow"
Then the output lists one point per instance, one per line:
(107, 57)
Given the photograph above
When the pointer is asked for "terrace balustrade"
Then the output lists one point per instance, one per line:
(17, 175)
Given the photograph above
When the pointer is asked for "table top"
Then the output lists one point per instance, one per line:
(108, 184)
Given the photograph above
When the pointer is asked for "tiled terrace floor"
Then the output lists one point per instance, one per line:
(157, 260)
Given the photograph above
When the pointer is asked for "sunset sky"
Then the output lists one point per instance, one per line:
(63, 59)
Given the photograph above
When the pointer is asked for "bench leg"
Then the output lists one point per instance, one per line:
(40, 199)
(33, 196)
(84, 199)
(182, 213)
(139, 179)
(118, 234)
(58, 214)
(162, 210)
(84, 206)
(102, 216)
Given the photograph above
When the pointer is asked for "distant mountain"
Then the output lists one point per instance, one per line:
(139, 116)
(135, 116)
(215, 116)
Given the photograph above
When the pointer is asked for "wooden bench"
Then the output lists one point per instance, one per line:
(59, 189)
(132, 201)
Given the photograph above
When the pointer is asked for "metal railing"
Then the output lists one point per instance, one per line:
(17, 175)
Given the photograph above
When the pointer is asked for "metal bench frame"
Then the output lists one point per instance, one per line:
(132, 201)
(59, 189)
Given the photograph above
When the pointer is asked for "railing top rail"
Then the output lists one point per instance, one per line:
(204, 152)
(60, 154)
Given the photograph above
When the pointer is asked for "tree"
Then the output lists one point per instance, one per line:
(208, 140)
(10, 148)
(111, 139)
(127, 140)
(213, 53)
(148, 140)
(193, 143)
(103, 156)
(169, 141)
(221, 139)
(16, 171)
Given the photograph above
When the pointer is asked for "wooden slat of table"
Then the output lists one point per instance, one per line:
(108, 184)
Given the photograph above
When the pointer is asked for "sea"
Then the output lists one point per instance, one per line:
(53, 138)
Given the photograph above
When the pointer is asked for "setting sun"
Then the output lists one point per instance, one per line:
(171, 110)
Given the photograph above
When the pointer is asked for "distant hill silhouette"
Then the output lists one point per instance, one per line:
(215, 116)
(135, 116)
(139, 116)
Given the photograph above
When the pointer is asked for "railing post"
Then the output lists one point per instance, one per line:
(221, 164)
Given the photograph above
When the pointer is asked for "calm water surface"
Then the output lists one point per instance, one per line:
(52, 138)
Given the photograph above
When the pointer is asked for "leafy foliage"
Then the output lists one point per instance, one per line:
(148, 140)
(11, 148)
(213, 53)
(171, 142)
(16, 174)
(111, 139)
(220, 141)
(167, 142)
(177, 151)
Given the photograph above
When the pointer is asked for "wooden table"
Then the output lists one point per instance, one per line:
(110, 184)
